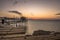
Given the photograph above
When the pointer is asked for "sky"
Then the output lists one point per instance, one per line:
(34, 9)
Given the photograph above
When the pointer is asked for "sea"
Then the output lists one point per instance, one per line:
(50, 25)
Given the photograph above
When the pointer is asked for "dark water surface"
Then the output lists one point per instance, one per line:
(43, 25)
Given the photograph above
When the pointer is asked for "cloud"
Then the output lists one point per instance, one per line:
(16, 12)
(58, 14)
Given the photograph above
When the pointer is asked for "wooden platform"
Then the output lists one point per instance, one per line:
(7, 32)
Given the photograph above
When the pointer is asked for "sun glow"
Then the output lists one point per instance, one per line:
(32, 9)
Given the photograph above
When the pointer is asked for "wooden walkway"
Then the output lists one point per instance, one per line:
(7, 32)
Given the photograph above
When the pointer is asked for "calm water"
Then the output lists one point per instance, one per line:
(43, 25)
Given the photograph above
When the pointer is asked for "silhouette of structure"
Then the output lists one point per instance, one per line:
(3, 21)
(23, 20)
